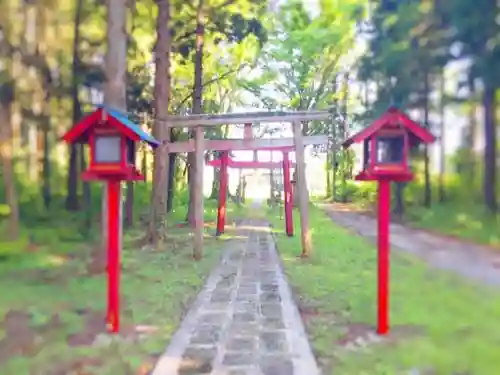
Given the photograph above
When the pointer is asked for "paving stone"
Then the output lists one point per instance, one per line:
(238, 359)
(239, 372)
(273, 341)
(215, 306)
(225, 283)
(243, 329)
(273, 323)
(213, 318)
(247, 289)
(250, 272)
(247, 279)
(197, 361)
(247, 297)
(276, 366)
(251, 284)
(270, 297)
(245, 307)
(220, 297)
(229, 271)
(269, 287)
(271, 310)
(235, 256)
(243, 343)
(244, 317)
(206, 335)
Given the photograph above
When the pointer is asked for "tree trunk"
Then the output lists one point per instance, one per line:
(158, 216)
(197, 100)
(345, 131)
(72, 182)
(6, 98)
(172, 162)
(427, 177)
(471, 136)
(87, 195)
(490, 155)
(442, 142)
(46, 189)
(114, 88)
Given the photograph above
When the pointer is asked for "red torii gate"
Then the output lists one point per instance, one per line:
(224, 162)
(199, 145)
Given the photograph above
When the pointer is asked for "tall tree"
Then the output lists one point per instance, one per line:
(158, 218)
(7, 88)
(230, 20)
(115, 85)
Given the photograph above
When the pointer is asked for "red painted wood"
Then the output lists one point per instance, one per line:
(221, 210)
(113, 256)
(79, 131)
(392, 117)
(248, 164)
(384, 206)
(74, 134)
(287, 187)
(106, 172)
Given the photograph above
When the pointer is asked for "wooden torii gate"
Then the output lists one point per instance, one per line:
(224, 162)
(199, 145)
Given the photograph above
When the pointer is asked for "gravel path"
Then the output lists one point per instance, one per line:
(472, 261)
(244, 322)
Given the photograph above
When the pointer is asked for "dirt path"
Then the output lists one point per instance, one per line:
(244, 322)
(472, 261)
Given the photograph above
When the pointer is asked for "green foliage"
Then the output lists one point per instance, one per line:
(302, 59)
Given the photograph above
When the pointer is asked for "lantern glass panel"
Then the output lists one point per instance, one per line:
(390, 150)
(108, 149)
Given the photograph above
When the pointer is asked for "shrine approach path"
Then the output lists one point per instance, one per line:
(244, 321)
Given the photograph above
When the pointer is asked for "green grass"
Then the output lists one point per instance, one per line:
(52, 286)
(439, 322)
(467, 222)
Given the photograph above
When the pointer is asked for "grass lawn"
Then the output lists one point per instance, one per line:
(466, 222)
(53, 309)
(440, 323)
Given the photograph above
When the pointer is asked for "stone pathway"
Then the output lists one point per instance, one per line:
(472, 261)
(244, 322)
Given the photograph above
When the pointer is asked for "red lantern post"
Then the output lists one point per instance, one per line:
(287, 187)
(112, 139)
(386, 146)
(221, 210)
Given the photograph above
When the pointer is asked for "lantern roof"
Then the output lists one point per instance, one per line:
(80, 131)
(392, 117)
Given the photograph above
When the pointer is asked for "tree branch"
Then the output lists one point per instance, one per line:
(208, 83)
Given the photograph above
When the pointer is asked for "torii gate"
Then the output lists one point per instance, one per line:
(199, 145)
(224, 162)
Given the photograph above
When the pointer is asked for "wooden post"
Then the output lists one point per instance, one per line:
(198, 194)
(301, 189)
